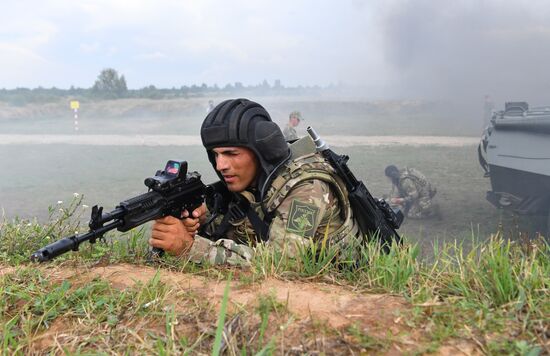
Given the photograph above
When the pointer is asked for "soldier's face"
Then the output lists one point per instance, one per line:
(294, 121)
(238, 166)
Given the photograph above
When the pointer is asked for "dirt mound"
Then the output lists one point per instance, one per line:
(310, 303)
(332, 304)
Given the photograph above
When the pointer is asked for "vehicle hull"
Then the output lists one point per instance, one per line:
(515, 154)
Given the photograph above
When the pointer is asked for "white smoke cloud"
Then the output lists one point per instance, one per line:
(469, 48)
(421, 48)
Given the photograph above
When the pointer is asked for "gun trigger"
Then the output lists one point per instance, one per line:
(176, 213)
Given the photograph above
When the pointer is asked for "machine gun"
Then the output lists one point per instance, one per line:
(374, 216)
(170, 192)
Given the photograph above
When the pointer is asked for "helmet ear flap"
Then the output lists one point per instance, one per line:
(270, 141)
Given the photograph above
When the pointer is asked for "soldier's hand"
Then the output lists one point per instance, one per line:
(397, 201)
(171, 235)
(192, 223)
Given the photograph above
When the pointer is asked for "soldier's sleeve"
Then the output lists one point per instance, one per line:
(286, 132)
(409, 189)
(219, 252)
(394, 193)
(309, 211)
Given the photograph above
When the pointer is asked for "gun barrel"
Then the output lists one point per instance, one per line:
(71, 243)
(54, 249)
(320, 144)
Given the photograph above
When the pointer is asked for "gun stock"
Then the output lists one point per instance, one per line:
(374, 216)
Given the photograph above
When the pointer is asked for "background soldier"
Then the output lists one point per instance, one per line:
(488, 108)
(210, 106)
(283, 195)
(290, 129)
(412, 192)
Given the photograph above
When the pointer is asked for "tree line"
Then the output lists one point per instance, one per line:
(110, 85)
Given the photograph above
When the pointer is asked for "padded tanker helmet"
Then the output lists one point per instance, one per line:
(244, 123)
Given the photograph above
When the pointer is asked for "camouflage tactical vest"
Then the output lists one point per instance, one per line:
(305, 164)
(425, 189)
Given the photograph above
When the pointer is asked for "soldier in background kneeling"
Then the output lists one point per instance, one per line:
(412, 192)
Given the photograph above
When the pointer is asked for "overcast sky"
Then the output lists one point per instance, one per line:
(418, 48)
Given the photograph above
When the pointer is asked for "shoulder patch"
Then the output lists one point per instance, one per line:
(302, 218)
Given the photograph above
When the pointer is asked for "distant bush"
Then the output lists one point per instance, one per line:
(110, 85)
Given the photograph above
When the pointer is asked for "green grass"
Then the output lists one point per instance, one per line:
(216, 348)
(494, 292)
(366, 341)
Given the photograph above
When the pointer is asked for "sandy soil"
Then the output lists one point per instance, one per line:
(176, 140)
(336, 306)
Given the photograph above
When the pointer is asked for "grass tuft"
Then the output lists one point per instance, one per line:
(495, 292)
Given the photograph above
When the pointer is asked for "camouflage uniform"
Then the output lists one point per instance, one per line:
(309, 202)
(290, 133)
(417, 193)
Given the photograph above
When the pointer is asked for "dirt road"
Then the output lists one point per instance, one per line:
(177, 140)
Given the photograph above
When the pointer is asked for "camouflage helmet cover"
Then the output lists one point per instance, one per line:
(295, 114)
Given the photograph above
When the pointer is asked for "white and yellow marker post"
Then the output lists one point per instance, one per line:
(75, 105)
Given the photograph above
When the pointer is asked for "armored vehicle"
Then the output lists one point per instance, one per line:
(515, 153)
